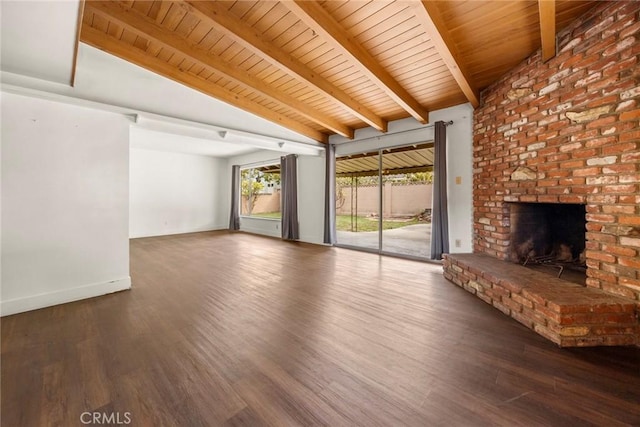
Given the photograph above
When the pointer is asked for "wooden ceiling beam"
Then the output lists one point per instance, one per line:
(428, 14)
(547, 10)
(146, 27)
(319, 20)
(132, 54)
(76, 46)
(217, 14)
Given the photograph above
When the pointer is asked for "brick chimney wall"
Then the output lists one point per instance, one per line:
(567, 131)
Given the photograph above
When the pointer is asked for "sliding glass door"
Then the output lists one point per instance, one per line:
(358, 203)
(407, 175)
(383, 200)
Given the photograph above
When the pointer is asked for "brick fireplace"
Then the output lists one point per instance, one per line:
(566, 132)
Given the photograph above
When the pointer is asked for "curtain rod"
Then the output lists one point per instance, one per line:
(448, 123)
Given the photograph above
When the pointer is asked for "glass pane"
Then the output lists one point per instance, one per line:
(358, 201)
(407, 184)
(260, 191)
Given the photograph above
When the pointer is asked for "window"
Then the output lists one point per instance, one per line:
(260, 195)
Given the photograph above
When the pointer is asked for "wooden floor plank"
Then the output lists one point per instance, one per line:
(235, 329)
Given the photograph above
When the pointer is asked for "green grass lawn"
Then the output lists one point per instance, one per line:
(343, 223)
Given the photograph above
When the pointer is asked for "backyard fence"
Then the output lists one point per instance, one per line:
(399, 199)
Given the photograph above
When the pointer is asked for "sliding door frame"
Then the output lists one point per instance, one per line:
(379, 250)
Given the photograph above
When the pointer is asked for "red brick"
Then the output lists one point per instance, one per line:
(619, 250)
(622, 188)
(619, 148)
(630, 136)
(620, 168)
(602, 275)
(601, 256)
(571, 199)
(572, 164)
(630, 115)
(630, 178)
(605, 83)
(631, 220)
(623, 291)
(631, 282)
(620, 66)
(599, 142)
(522, 318)
(614, 330)
(613, 209)
(601, 122)
(584, 153)
(502, 307)
(629, 262)
(548, 334)
(591, 318)
(600, 237)
(633, 199)
(586, 171)
(484, 297)
(603, 198)
(548, 313)
(535, 317)
(597, 162)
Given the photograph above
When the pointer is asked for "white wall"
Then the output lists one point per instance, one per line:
(311, 172)
(459, 165)
(65, 200)
(459, 161)
(310, 196)
(172, 193)
(38, 38)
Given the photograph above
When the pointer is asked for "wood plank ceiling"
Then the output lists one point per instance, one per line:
(328, 67)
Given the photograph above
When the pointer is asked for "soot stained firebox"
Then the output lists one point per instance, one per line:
(549, 234)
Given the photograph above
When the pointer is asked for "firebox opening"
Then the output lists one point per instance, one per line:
(550, 237)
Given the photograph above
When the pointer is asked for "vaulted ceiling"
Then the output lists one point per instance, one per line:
(330, 67)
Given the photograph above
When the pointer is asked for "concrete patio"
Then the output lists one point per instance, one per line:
(413, 240)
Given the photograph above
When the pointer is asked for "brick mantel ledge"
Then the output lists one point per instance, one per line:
(568, 314)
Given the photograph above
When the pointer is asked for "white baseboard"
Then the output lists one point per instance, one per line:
(159, 233)
(314, 240)
(261, 231)
(48, 299)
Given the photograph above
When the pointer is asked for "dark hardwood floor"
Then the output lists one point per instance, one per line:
(235, 329)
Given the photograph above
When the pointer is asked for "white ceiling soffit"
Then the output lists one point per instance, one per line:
(162, 141)
(153, 132)
(106, 78)
(38, 38)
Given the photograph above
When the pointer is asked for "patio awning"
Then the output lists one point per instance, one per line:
(417, 158)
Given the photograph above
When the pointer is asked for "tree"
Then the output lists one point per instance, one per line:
(252, 182)
(250, 187)
(426, 177)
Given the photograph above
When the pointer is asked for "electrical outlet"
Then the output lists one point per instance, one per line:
(458, 243)
(458, 180)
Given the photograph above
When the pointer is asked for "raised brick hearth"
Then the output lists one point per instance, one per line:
(570, 315)
(568, 131)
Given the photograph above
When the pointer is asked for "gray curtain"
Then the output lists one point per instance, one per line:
(289, 182)
(439, 221)
(330, 195)
(234, 218)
